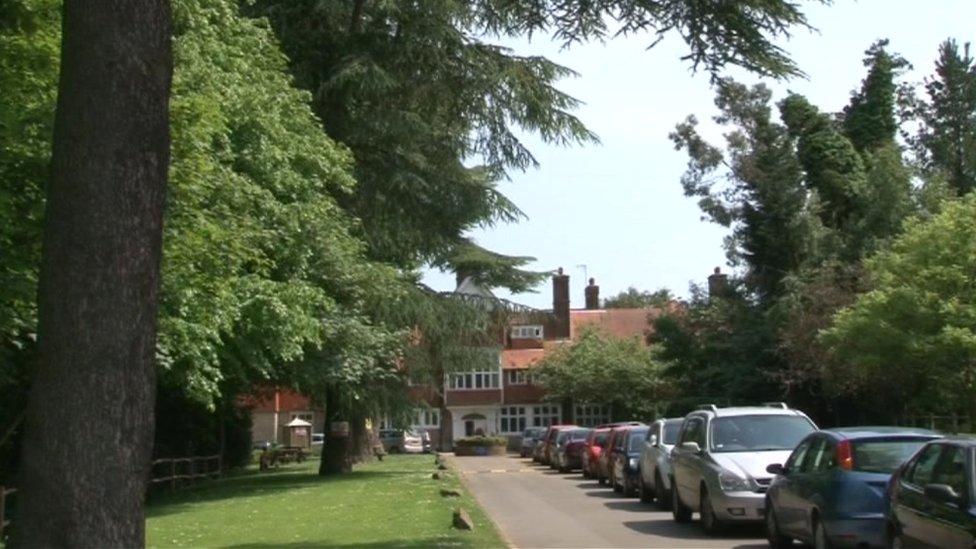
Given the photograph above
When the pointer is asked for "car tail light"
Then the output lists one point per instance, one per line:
(845, 457)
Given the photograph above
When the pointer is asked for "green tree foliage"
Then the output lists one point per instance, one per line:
(632, 298)
(913, 337)
(754, 186)
(946, 141)
(869, 119)
(597, 367)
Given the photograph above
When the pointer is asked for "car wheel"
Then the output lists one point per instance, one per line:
(615, 484)
(679, 511)
(601, 481)
(709, 522)
(661, 493)
(646, 496)
(628, 487)
(776, 539)
(893, 537)
(820, 540)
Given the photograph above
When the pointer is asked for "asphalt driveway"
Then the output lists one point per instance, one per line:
(536, 507)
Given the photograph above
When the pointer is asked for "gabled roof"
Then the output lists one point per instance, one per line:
(520, 359)
(620, 323)
(469, 286)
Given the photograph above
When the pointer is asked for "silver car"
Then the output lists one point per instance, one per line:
(718, 466)
(655, 462)
(529, 438)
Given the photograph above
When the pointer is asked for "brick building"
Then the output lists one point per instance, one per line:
(504, 400)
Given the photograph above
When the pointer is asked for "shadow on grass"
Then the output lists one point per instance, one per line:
(253, 483)
(458, 540)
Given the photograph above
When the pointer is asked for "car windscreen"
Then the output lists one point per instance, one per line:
(601, 439)
(671, 431)
(579, 434)
(884, 456)
(635, 442)
(758, 433)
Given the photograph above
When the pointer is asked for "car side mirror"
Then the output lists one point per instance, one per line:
(653, 440)
(776, 469)
(691, 446)
(942, 493)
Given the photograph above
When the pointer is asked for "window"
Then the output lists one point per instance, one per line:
(474, 380)
(795, 462)
(527, 332)
(544, 416)
(512, 419)
(951, 469)
(305, 416)
(924, 466)
(588, 415)
(758, 433)
(517, 377)
(427, 417)
(694, 431)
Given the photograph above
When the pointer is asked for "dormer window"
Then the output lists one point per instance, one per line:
(527, 332)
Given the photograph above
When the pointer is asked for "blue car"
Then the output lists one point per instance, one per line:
(831, 490)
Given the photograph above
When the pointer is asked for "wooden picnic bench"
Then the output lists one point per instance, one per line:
(276, 456)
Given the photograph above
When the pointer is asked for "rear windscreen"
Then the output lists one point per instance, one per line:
(671, 431)
(883, 456)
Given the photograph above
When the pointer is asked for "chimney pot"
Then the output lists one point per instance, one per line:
(718, 284)
(592, 294)
(560, 304)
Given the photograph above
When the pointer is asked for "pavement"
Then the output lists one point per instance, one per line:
(535, 507)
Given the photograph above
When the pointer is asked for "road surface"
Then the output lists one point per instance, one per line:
(535, 507)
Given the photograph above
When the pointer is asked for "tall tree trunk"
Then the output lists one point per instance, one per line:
(335, 448)
(89, 424)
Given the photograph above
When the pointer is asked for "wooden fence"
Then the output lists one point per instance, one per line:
(4, 521)
(174, 470)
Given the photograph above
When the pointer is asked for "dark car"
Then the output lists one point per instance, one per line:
(615, 443)
(626, 460)
(932, 497)
(549, 441)
(569, 449)
(830, 492)
(595, 444)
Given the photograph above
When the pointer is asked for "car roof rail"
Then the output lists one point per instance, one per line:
(709, 407)
(776, 405)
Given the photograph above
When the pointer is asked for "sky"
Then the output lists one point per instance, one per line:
(615, 211)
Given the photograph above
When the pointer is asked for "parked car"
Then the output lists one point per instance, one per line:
(932, 497)
(318, 439)
(396, 440)
(549, 442)
(718, 466)
(540, 446)
(595, 444)
(831, 490)
(626, 460)
(615, 443)
(655, 462)
(569, 448)
(529, 437)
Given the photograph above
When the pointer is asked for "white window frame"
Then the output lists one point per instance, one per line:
(481, 380)
(591, 415)
(544, 415)
(532, 331)
(426, 418)
(518, 377)
(512, 416)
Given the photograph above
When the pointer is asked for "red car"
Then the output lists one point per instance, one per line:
(604, 468)
(549, 441)
(595, 443)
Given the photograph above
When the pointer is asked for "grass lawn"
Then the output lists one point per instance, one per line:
(393, 503)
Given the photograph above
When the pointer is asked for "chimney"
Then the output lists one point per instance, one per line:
(560, 304)
(718, 284)
(592, 293)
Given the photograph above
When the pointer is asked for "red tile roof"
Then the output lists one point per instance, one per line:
(519, 359)
(620, 323)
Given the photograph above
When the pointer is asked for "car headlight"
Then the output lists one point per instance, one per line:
(731, 482)
(633, 463)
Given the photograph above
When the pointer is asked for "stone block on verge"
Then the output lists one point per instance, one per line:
(462, 520)
(450, 493)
